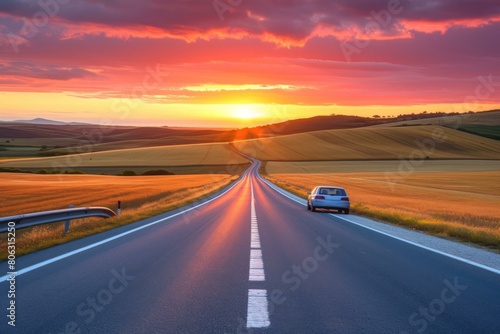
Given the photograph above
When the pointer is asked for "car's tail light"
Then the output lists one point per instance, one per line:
(319, 197)
(344, 199)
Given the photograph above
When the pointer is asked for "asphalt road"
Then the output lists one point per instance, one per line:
(248, 261)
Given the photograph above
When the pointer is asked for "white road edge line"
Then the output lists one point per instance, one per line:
(79, 250)
(479, 265)
(482, 266)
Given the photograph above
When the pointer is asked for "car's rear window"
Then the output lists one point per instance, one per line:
(332, 191)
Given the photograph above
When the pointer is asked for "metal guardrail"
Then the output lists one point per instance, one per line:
(45, 217)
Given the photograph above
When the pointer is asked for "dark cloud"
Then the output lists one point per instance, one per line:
(446, 10)
(287, 21)
(20, 69)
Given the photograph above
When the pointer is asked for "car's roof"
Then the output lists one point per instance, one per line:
(329, 187)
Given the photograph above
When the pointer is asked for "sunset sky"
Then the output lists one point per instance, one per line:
(236, 63)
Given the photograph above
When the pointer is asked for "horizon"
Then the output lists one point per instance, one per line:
(215, 65)
(391, 118)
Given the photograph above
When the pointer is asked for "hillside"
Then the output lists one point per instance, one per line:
(150, 157)
(101, 134)
(101, 138)
(333, 122)
(32, 140)
(315, 123)
(373, 143)
(488, 118)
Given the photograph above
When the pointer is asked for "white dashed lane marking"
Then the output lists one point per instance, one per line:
(257, 310)
(258, 314)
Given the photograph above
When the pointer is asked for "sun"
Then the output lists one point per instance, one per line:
(246, 112)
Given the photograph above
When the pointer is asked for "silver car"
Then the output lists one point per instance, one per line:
(328, 197)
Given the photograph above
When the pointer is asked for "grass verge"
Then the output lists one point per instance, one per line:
(434, 227)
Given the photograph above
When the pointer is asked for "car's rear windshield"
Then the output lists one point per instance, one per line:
(332, 191)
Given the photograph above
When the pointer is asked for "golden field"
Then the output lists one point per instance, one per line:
(373, 143)
(164, 156)
(381, 166)
(141, 196)
(461, 205)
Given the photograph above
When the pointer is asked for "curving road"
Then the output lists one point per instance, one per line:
(248, 261)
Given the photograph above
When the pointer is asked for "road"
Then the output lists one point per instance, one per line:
(248, 261)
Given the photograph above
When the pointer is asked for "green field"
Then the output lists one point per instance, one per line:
(13, 151)
(488, 131)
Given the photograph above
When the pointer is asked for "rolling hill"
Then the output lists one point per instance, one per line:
(26, 139)
(373, 143)
(142, 158)
(487, 118)
(333, 122)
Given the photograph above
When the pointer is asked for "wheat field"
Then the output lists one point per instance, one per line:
(399, 167)
(24, 193)
(373, 143)
(463, 205)
(164, 156)
(141, 197)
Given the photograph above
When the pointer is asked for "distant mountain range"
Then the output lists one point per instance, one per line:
(44, 121)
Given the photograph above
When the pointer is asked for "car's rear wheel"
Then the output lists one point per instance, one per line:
(346, 212)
